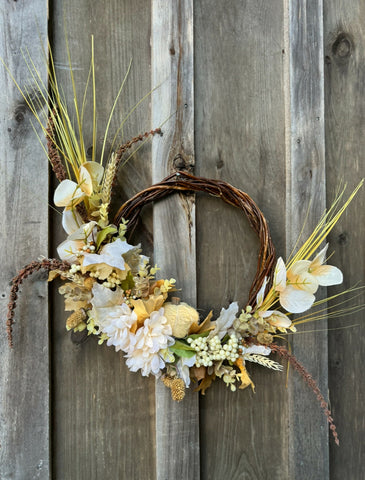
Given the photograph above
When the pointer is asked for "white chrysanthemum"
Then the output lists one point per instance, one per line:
(117, 326)
(149, 340)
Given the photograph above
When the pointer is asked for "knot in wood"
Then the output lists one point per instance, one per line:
(179, 162)
(343, 46)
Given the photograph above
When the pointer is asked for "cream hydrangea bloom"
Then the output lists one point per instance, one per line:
(113, 317)
(117, 324)
(155, 335)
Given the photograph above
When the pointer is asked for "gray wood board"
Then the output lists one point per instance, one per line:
(177, 424)
(103, 415)
(24, 379)
(240, 123)
(345, 145)
(305, 156)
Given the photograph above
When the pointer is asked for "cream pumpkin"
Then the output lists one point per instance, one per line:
(180, 316)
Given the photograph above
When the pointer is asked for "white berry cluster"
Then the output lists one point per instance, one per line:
(208, 351)
(75, 268)
(111, 282)
(87, 248)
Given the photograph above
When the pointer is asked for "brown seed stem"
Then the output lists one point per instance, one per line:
(53, 153)
(46, 264)
(283, 352)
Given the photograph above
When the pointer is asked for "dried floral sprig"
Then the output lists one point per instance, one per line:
(53, 153)
(128, 145)
(284, 353)
(47, 265)
(109, 175)
(263, 361)
(111, 169)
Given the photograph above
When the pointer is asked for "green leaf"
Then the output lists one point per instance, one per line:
(128, 282)
(110, 230)
(198, 335)
(182, 352)
(182, 345)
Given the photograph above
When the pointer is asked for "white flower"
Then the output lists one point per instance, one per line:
(260, 294)
(256, 349)
(309, 275)
(110, 254)
(117, 325)
(183, 368)
(68, 193)
(71, 221)
(291, 298)
(104, 301)
(149, 340)
(224, 321)
(277, 319)
(70, 248)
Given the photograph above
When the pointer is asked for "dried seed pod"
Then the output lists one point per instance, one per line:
(265, 338)
(177, 389)
(167, 381)
(75, 319)
(89, 282)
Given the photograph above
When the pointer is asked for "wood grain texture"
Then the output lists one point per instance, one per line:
(239, 129)
(103, 415)
(344, 34)
(308, 434)
(177, 424)
(24, 380)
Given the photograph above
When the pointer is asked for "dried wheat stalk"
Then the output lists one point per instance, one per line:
(262, 360)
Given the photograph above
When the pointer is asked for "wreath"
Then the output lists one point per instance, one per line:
(112, 291)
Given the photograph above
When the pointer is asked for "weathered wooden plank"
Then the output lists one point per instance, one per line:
(308, 434)
(24, 377)
(177, 425)
(240, 121)
(103, 415)
(344, 35)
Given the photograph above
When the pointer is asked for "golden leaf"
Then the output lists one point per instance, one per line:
(104, 270)
(71, 304)
(205, 384)
(144, 307)
(199, 372)
(244, 376)
(53, 274)
(203, 327)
